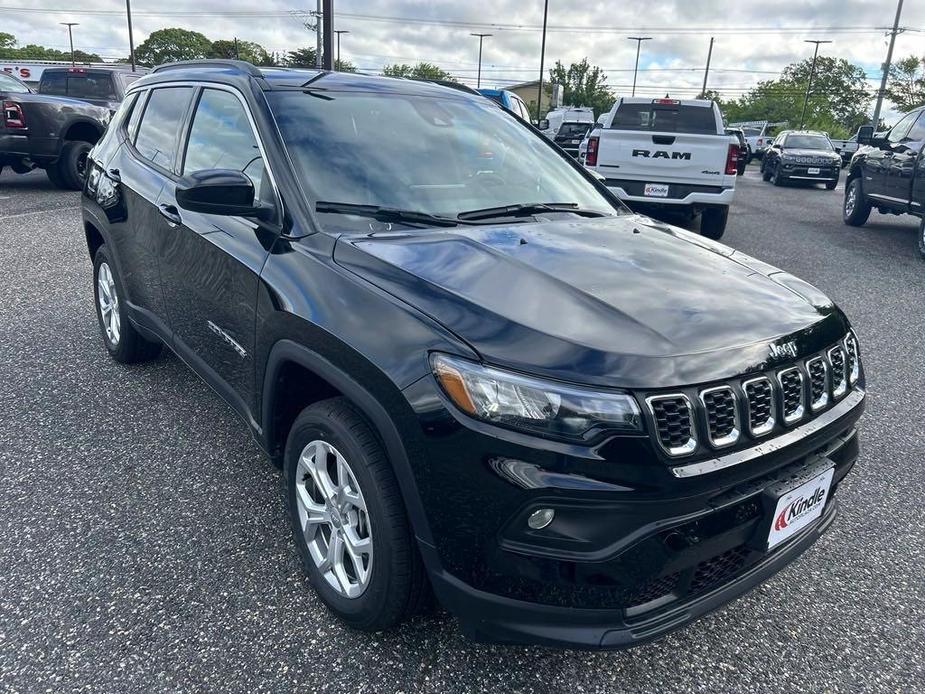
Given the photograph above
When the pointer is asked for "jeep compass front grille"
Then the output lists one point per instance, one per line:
(674, 423)
(727, 413)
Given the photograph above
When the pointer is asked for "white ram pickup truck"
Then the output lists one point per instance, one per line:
(667, 154)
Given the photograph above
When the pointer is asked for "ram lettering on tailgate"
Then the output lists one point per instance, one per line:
(661, 154)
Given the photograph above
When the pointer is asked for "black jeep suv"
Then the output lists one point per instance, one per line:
(481, 373)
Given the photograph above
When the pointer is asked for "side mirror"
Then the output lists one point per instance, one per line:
(224, 192)
(543, 124)
(866, 135)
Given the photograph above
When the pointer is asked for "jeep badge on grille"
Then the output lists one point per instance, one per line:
(785, 349)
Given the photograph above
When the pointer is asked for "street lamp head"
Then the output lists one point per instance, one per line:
(639, 38)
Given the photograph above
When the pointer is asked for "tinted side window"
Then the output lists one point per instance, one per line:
(53, 83)
(901, 128)
(917, 133)
(91, 86)
(160, 126)
(222, 138)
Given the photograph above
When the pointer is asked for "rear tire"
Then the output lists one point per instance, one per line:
(922, 238)
(72, 164)
(855, 209)
(713, 222)
(390, 585)
(124, 343)
(765, 174)
(55, 177)
(831, 185)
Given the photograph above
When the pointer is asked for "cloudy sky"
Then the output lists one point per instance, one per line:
(754, 38)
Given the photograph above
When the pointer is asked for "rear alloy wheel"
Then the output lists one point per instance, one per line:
(121, 338)
(922, 238)
(348, 518)
(856, 209)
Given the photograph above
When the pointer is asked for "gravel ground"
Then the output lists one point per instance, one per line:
(143, 544)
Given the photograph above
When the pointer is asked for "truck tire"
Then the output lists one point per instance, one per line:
(765, 174)
(855, 209)
(922, 238)
(72, 164)
(713, 222)
(381, 581)
(124, 343)
(830, 185)
(55, 177)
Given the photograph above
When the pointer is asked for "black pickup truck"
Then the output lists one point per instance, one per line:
(48, 132)
(888, 173)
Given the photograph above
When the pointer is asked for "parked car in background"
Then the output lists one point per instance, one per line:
(744, 153)
(846, 148)
(668, 155)
(100, 86)
(888, 173)
(508, 100)
(801, 155)
(552, 123)
(48, 132)
(480, 372)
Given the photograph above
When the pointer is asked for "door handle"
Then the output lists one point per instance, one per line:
(170, 213)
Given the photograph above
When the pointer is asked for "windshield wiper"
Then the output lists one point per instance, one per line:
(386, 214)
(529, 209)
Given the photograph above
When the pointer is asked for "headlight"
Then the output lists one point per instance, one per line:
(534, 405)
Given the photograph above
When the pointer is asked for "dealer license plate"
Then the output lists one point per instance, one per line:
(799, 507)
(812, 170)
(656, 190)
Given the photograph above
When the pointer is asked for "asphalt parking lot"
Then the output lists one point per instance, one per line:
(143, 544)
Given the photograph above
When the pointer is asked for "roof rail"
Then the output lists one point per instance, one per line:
(240, 65)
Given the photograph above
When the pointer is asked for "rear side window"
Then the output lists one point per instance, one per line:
(917, 133)
(665, 118)
(91, 85)
(221, 137)
(159, 131)
(12, 85)
(132, 127)
(53, 83)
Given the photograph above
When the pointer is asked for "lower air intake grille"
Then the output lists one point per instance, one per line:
(715, 571)
(673, 422)
(791, 384)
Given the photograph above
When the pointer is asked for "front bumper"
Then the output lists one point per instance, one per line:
(801, 173)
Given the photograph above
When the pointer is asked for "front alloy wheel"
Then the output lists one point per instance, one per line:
(108, 299)
(334, 519)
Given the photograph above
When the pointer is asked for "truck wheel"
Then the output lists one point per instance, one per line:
(830, 185)
(124, 343)
(856, 209)
(922, 238)
(72, 164)
(348, 518)
(55, 177)
(765, 174)
(713, 222)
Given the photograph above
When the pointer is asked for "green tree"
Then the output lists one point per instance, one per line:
(838, 102)
(584, 85)
(171, 44)
(7, 41)
(245, 50)
(303, 57)
(10, 51)
(421, 71)
(906, 85)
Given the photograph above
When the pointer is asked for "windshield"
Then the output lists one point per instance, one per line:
(440, 156)
(808, 142)
(751, 132)
(666, 118)
(573, 130)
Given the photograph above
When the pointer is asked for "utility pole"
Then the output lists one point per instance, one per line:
(707, 72)
(70, 35)
(236, 54)
(339, 32)
(638, 40)
(539, 93)
(327, 18)
(478, 80)
(886, 65)
(131, 40)
(318, 16)
(809, 85)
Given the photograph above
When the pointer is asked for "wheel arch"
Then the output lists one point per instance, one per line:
(82, 130)
(288, 358)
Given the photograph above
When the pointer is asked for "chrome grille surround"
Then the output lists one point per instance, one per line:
(838, 362)
(791, 393)
(854, 359)
(818, 371)
(759, 396)
(723, 426)
(684, 411)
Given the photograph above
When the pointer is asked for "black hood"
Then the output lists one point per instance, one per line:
(621, 301)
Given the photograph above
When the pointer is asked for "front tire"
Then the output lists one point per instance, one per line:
(855, 209)
(123, 342)
(713, 222)
(776, 177)
(922, 238)
(348, 519)
(830, 185)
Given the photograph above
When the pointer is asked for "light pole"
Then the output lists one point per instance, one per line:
(339, 32)
(886, 65)
(70, 34)
(809, 85)
(638, 40)
(327, 39)
(706, 73)
(131, 40)
(539, 95)
(478, 81)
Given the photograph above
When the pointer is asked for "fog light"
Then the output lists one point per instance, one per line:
(540, 518)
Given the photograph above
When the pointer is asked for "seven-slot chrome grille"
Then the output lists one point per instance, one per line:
(754, 407)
